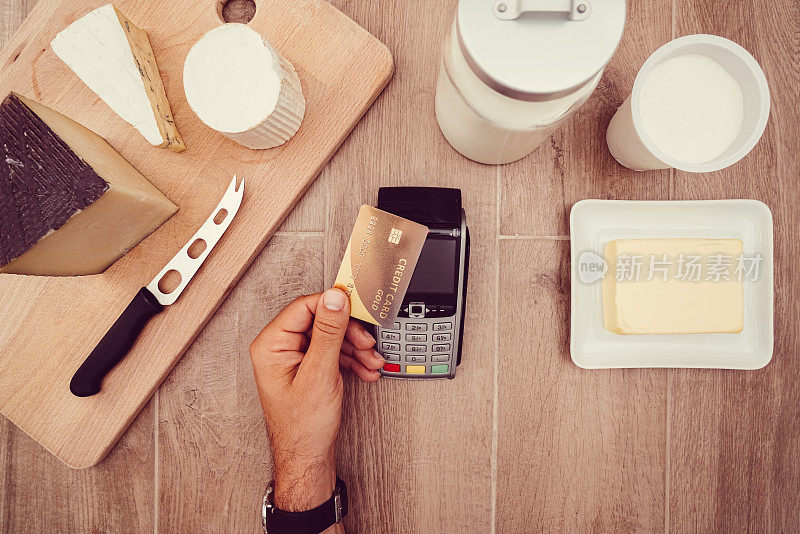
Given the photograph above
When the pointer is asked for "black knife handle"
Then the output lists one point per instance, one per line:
(115, 344)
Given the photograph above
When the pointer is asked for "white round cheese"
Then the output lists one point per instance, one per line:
(239, 85)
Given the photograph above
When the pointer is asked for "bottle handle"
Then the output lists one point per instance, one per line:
(512, 9)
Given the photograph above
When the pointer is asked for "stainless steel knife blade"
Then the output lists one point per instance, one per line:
(150, 300)
(211, 231)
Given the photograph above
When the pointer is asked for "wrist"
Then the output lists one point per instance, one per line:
(303, 485)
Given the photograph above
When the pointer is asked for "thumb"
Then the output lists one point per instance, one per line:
(330, 324)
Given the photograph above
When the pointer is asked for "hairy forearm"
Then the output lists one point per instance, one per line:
(302, 485)
(301, 389)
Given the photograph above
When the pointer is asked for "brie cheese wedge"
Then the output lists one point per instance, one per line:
(114, 58)
(240, 86)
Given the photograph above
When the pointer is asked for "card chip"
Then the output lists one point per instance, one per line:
(395, 235)
(375, 272)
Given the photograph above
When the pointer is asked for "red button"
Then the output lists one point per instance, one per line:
(391, 367)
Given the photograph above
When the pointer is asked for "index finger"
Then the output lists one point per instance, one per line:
(298, 316)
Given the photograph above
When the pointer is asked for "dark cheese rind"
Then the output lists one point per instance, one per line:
(42, 183)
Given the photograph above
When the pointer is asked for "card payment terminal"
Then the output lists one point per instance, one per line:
(425, 342)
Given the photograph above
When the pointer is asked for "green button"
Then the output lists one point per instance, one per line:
(439, 369)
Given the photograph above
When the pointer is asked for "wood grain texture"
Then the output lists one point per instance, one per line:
(573, 462)
(211, 432)
(417, 454)
(38, 493)
(578, 450)
(343, 68)
(12, 13)
(735, 437)
(310, 213)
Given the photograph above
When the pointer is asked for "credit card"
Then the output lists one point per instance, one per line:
(378, 263)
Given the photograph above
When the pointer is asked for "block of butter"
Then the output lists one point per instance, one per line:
(672, 286)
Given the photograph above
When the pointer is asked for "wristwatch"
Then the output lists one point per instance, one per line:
(313, 521)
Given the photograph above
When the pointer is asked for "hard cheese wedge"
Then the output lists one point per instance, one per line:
(114, 58)
(692, 300)
(69, 203)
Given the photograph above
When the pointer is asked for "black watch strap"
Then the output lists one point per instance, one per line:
(312, 521)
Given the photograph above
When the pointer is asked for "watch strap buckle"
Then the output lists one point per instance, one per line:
(314, 521)
(337, 507)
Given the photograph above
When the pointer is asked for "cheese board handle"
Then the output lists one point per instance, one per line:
(115, 344)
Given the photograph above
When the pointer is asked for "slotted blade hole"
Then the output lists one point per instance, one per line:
(220, 217)
(196, 248)
(241, 11)
(169, 282)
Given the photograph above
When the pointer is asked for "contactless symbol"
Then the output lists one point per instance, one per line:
(394, 236)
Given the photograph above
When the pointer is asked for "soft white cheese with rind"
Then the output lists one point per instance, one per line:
(113, 57)
(239, 85)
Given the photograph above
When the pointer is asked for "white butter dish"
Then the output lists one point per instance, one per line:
(593, 223)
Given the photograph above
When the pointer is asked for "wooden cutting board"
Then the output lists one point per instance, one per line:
(49, 325)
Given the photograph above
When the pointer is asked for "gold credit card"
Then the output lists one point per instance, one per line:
(378, 264)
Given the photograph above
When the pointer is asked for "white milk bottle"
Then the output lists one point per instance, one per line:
(513, 69)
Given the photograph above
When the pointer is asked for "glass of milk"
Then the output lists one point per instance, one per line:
(700, 103)
(512, 70)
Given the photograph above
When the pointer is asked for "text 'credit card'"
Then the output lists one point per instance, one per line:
(378, 263)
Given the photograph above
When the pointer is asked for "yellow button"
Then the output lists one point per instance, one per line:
(415, 369)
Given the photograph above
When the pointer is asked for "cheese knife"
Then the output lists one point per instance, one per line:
(150, 300)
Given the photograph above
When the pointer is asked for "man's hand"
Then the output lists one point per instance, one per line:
(296, 360)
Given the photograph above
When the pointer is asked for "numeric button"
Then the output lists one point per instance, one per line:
(390, 346)
(416, 327)
(439, 327)
(441, 337)
(391, 336)
(444, 347)
(415, 348)
(417, 338)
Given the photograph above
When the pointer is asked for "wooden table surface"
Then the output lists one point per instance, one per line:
(522, 440)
